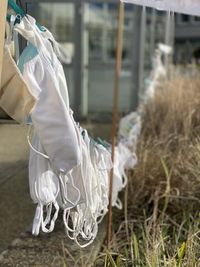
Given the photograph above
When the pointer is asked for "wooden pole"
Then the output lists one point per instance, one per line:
(115, 111)
(3, 11)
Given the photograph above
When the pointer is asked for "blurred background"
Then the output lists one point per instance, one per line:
(87, 30)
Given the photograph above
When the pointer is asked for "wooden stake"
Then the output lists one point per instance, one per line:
(3, 11)
(115, 111)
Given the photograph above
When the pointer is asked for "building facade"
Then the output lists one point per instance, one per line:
(187, 39)
(86, 30)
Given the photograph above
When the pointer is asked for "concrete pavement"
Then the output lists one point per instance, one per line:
(16, 208)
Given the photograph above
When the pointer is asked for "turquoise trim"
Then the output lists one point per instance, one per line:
(28, 53)
(20, 11)
(16, 8)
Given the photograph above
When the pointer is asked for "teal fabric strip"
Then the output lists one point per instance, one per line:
(28, 53)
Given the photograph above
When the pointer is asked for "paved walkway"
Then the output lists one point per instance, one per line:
(13, 149)
(51, 250)
(16, 208)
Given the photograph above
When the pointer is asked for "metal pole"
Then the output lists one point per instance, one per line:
(105, 33)
(78, 56)
(138, 51)
(167, 27)
(85, 50)
(3, 10)
(142, 51)
(115, 111)
(135, 58)
(167, 35)
(172, 35)
(152, 32)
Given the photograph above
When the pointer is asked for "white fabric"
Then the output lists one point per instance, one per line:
(124, 160)
(102, 164)
(70, 158)
(83, 219)
(51, 115)
(72, 190)
(67, 168)
(129, 129)
(191, 7)
(159, 72)
(94, 168)
(44, 188)
(56, 134)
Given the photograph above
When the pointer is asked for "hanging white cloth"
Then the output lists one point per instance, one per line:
(55, 150)
(51, 115)
(190, 7)
(67, 168)
(44, 189)
(95, 175)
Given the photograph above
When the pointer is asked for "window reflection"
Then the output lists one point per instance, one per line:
(102, 26)
(99, 47)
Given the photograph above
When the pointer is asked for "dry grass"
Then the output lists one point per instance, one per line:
(169, 147)
(161, 222)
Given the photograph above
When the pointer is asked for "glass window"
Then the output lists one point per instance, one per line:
(102, 27)
(185, 18)
(98, 40)
(59, 19)
(197, 19)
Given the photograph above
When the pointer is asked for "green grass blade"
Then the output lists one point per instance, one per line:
(181, 254)
(111, 260)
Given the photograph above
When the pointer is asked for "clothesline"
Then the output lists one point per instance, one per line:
(190, 7)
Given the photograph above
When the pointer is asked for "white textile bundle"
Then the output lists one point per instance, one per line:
(68, 170)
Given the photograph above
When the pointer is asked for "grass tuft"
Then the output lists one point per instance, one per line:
(160, 226)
